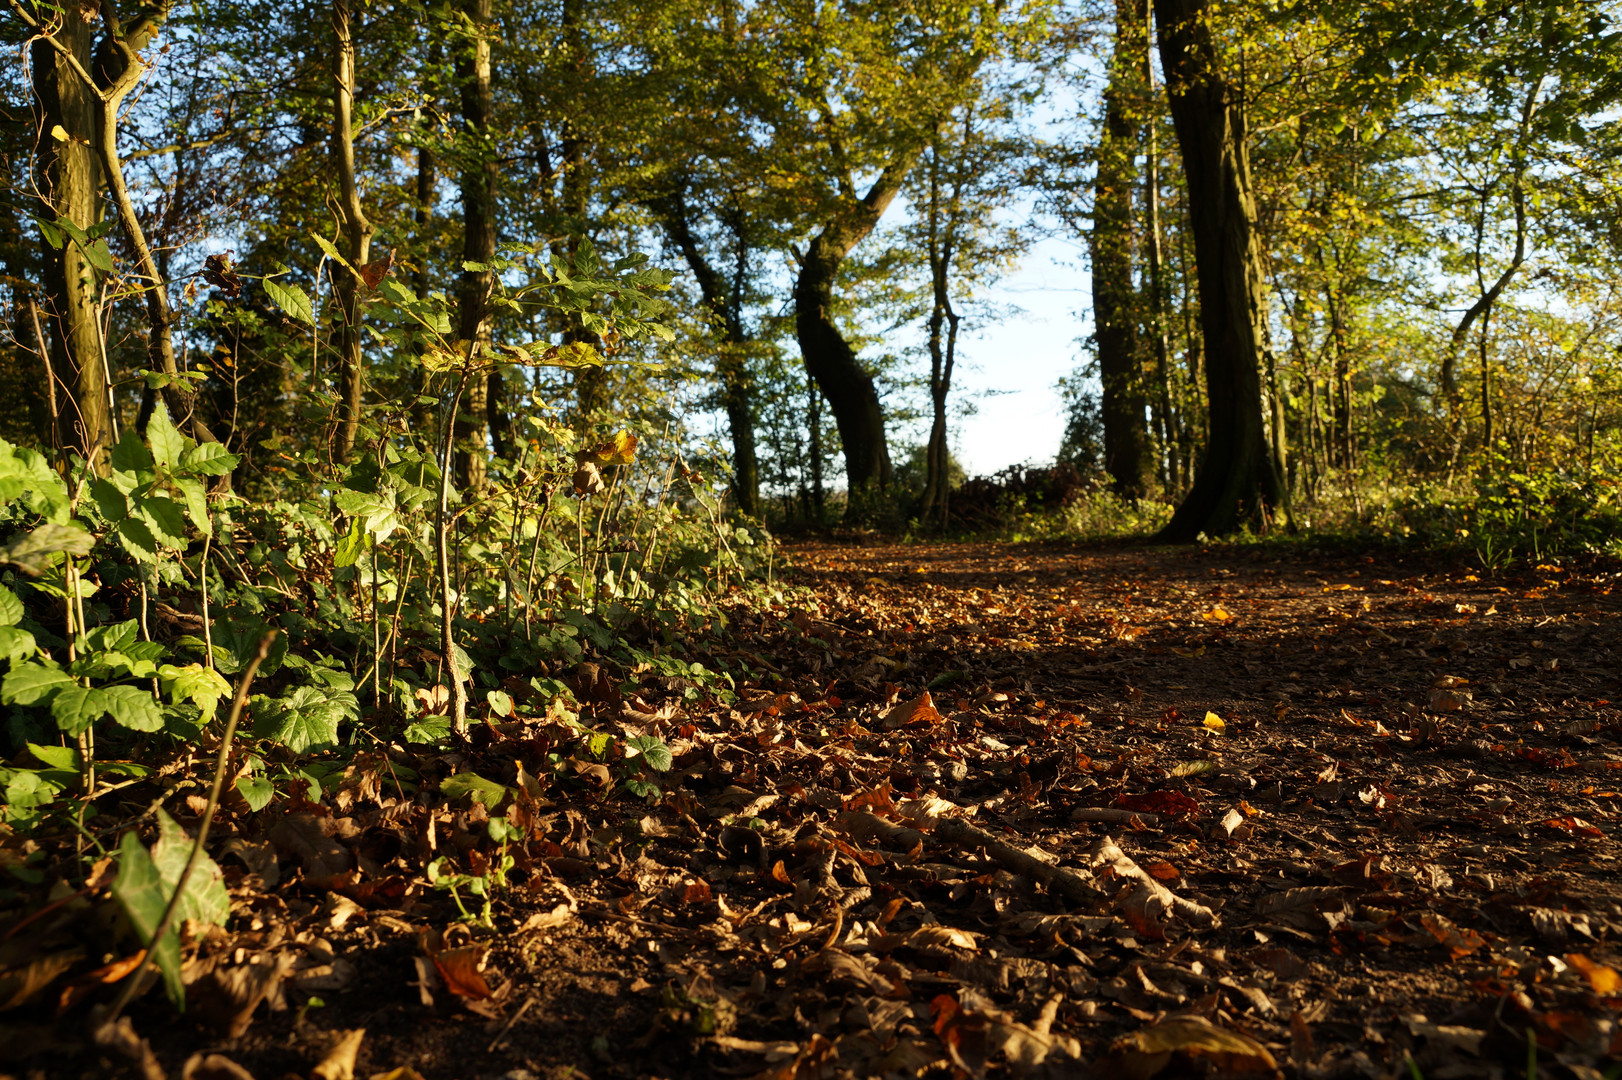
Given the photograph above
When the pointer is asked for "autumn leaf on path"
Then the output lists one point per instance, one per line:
(918, 712)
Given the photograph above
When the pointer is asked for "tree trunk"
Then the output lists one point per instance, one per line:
(357, 232)
(731, 365)
(1170, 434)
(829, 359)
(942, 244)
(68, 176)
(478, 188)
(1126, 436)
(1236, 482)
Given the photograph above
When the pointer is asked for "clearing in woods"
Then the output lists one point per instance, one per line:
(1162, 812)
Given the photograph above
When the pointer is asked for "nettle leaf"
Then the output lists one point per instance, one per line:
(75, 708)
(292, 299)
(651, 749)
(200, 685)
(475, 787)
(163, 437)
(17, 643)
(196, 502)
(11, 608)
(164, 517)
(209, 459)
(109, 500)
(137, 538)
(305, 719)
(37, 551)
(30, 683)
(133, 707)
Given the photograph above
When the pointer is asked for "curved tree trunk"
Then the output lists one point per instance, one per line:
(1127, 455)
(726, 308)
(1236, 482)
(829, 359)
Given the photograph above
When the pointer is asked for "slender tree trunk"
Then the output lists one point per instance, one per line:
(1236, 482)
(478, 186)
(68, 177)
(813, 414)
(732, 365)
(591, 383)
(829, 359)
(357, 232)
(1166, 411)
(941, 240)
(1115, 316)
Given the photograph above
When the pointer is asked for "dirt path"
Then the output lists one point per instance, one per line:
(1162, 810)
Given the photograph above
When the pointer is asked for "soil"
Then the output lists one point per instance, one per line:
(981, 809)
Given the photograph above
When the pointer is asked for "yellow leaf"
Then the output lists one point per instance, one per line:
(1215, 722)
(59, 133)
(1602, 979)
(1218, 614)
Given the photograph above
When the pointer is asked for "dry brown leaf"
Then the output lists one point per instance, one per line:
(339, 1064)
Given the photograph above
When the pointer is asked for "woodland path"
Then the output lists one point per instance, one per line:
(1311, 812)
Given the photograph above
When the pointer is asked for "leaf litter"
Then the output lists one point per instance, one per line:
(972, 810)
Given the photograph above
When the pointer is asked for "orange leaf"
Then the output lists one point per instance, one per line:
(1602, 979)
(461, 971)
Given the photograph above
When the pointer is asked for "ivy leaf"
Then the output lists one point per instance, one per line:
(163, 437)
(256, 790)
(77, 707)
(306, 718)
(209, 459)
(652, 750)
(31, 683)
(133, 708)
(200, 685)
(292, 299)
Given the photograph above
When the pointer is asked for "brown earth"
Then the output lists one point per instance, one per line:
(1165, 812)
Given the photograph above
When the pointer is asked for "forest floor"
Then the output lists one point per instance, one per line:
(1164, 812)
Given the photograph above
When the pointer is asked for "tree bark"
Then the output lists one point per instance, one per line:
(68, 177)
(478, 190)
(725, 306)
(1127, 456)
(1236, 482)
(943, 326)
(357, 232)
(829, 359)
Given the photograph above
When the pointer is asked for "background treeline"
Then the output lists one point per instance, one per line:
(1345, 260)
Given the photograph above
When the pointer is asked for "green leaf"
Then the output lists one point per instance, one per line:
(200, 685)
(131, 454)
(429, 729)
(133, 708)
(77, 707)
(305, 719)
(257, 790)
(37, 551)
(163, 516)
(16, 643)
(30, 683)
(161, 434)
(205, 899)
(136, 536)
(196, 500)
(139, 891)
(652, 749)
(292, 299)
(109, 500)
(331, 252)
(11, 608)
(349, 549)
(474, 787)
(57, 757)
(500, 702)
(209, 459)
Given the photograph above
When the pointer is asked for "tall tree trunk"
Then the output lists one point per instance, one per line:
(357, 232)
(1115, 317)
(478, 187)
(1236, 482)
(1169, 425)
(942, 244)
(591, 383)
(68, 177)
(829, 359)
(725, 306)
(813, 417)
